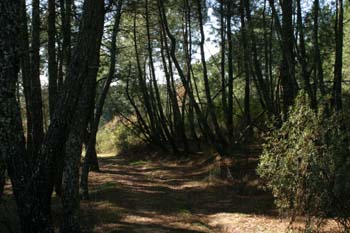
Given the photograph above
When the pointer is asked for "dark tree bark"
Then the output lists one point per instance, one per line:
(146, 96)
(73, 147)
(90, 150)
(223, 57)
(246, 64)
(52, 56)
(12, 143)
(92, 154)
(163, 120)
(185, 82)
(338, 66)
(188, 61)
(318, 67)
(32, 187)
(287, 67)
(2, 175)
(66, 16)
(287, 72)
(37, 112)
(302, 58)
(229, 112)
(70, 200)
(26, 71)
(211, 106)
(262, 84)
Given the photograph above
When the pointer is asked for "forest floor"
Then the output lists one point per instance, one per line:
(184, 195)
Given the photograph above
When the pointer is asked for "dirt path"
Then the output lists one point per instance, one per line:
(181, 196)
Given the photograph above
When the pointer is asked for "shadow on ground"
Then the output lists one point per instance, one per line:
(170, 196)
(173, 196)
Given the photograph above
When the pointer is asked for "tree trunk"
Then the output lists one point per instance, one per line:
(65, 51)
(162, 119)
(262, 85)
(91, 155)
(246, 65)
(2, 176)
(12, 144)
(223, 58)
(229, 115)
(52, 56)
(318, 67)
(302, 58)
(287, 73)
(32, 186)
(338, 66)
(168, 70)
(95, 21)
(26, 71)
(207, 133)
(211, 106)
(146, 96)
(287, 67)
(37, 112)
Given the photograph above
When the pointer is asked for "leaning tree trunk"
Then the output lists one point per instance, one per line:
(146, 96)
(158, 105)
(169, 75)
(208, 134)
(262, 84)
(211, 106)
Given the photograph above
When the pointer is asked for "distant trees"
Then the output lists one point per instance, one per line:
(270, 52)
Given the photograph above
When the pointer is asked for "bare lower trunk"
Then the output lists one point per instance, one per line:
(2, 177)
(73, 146)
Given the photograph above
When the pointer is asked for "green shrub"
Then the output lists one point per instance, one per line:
(116, 136)
(306, 165)
(127, 138)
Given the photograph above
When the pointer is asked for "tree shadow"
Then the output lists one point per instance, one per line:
(171, 197)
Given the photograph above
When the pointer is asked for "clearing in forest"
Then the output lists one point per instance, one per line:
(161, 195)
(164, 195)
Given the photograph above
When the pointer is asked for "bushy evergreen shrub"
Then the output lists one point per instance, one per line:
(306, 165)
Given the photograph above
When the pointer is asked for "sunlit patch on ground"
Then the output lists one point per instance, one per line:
(162, 196)
(181, 196)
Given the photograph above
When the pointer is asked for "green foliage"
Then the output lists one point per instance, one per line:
(116, 137)
(106, 138)
(306, 164)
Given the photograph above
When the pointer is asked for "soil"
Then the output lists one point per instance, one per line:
(161, 195)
